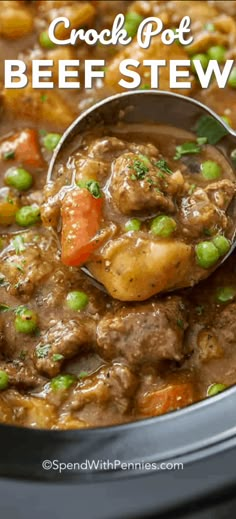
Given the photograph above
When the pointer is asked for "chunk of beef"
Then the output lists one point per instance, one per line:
(146, 333)
(25, 269)
(106, 148)
(143, 189)
(115, 384)
(21, 374)
(226, 325)
(65, 339)
(221, 193)
(205, 208)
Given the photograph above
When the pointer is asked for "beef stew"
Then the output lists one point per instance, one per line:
(72, 356)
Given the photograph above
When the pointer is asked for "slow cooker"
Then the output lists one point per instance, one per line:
(178, 465)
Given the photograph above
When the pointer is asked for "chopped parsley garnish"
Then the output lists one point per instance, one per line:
(210, 128)
(201, 140)
(18, 244)
(2, 278)
(8, 155)
(20, 309)
(180, 323)
(146, 86)
(200, 309)
(163, 166)
(4, 308)
(186, 148)
(57, 356)
(92, 186)
(83, 374)
(207, 232)
(44, 98)
(22, 355)
(18, 267)
(42, 351)
(192, 189)
(140, 166)
(42, 132)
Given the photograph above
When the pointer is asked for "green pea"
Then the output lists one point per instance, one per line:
(132, 22)
(163, 226)
(145, 86)
(18, 178)
(62, 382)
(225, 294)
(210, 170)
(214, 389)
(209, 26)
(232, 78)
(26, 321)
(207, 254)
(51, 140)
(45, 41)
(222, 244)
(217, 52)
(203, 58)
(28, 215)
(77, 300)
(133, 225)
(3, 380)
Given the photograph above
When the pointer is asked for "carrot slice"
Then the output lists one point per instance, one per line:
(24, 148)
(166, 399)
(7, 212)
(81, 216)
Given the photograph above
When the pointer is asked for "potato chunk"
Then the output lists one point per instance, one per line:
(134, 270)
(15, 20)
(28, 102)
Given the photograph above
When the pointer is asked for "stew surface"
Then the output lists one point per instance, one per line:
(71, 355)
(158, 201)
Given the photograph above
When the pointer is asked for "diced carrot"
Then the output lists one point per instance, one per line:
(24, 147)
(7, 212)
(166, 399)
(81, 216)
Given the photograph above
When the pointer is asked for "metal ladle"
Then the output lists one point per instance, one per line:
(148, 106)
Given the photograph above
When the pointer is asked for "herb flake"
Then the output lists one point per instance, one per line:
(92, 186)
(163, 166)
(42, 351)
(186, 148)
(140, 167)
(18, 244)
(9, 155)
(4, 308)
(180, 323)
(57, 357)
(83, 374)
(211, 129)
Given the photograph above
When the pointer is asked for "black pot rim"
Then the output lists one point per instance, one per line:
(186, 434)
(201, 436)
